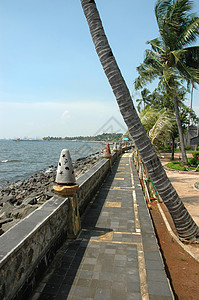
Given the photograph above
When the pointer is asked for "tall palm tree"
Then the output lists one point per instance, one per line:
(170, 58)
(145, 94)
(185, 225)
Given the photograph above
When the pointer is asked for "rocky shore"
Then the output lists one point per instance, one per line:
(20, 198)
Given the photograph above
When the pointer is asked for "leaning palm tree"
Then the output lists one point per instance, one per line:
(185, 225)
(170, 57)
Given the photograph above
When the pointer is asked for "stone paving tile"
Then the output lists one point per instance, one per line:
(104, 261)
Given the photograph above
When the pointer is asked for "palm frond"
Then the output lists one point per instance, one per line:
(148, 117)
(170, 76)
(161, 8)
(157, 123)
(191, 60)
(190, 33)
(191, 55)
(181, 9)
(162, 127)
(152, 60)
(173, 19)
(168, 59)
(156, 45)
(189, 69)
(138, 83)
(177, 55)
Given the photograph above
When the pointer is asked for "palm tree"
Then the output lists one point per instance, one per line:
(185, 225)
(170, 58)
(145, 94)
(158, 124)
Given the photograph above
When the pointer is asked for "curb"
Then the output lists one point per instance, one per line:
(188, 172)
(173, 235)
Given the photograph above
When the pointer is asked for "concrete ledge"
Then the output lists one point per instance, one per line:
(27, 249)
(90, 182)
(26, 245)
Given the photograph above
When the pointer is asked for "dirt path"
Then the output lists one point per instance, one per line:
(184, 185)
(183, 269)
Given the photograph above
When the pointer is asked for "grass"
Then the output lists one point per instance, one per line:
(183, 258)
(176, 166)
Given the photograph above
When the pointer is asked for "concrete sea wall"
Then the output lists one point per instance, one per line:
(27, 248)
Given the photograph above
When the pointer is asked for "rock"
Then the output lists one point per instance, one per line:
(2, 215)
(19, 202)
(6, 220)
(31, 189)
(51, 179)
(33, 201)
(7, 209)
(13, 200)
(49, 195)
(26, 211)
(19, 199)
(30, 200)
(6, 199)
(196, 184)
(23, 211)
(7, 226)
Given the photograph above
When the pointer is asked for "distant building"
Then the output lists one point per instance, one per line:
(193, 137)
(195, 142)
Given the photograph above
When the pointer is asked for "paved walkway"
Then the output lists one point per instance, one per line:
(116, 255)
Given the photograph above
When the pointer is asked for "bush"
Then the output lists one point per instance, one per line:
(188, 148)
(195, 154)
(195, 160)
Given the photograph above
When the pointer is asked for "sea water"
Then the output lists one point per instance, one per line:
(19, 160)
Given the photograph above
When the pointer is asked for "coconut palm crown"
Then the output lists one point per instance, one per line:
(171, 58)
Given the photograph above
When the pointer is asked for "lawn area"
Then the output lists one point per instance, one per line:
(193, 163)
(176, 165)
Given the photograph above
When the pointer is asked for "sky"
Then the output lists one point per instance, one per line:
(51, 80)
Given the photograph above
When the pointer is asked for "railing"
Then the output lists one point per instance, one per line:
(150, 192)
(27, 248)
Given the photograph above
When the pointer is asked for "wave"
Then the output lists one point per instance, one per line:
(11, 160)
(48, 170)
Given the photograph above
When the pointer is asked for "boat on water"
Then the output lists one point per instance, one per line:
(18, 140)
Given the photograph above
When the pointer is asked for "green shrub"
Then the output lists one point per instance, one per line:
(194, 161)
(188, 148)
(176, 166)
(195, 154)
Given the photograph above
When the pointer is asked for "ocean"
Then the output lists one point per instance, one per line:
(20, 160)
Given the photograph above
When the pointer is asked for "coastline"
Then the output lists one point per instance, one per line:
(20, 198)
(19, 160)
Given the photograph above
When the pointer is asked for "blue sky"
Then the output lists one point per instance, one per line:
(51, 81)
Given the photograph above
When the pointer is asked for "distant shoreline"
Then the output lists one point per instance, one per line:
(61, 140)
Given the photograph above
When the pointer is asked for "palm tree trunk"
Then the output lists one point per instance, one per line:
(185, 226)
(179, 124)
(173, 148)
(191, 103)
(191, 106)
